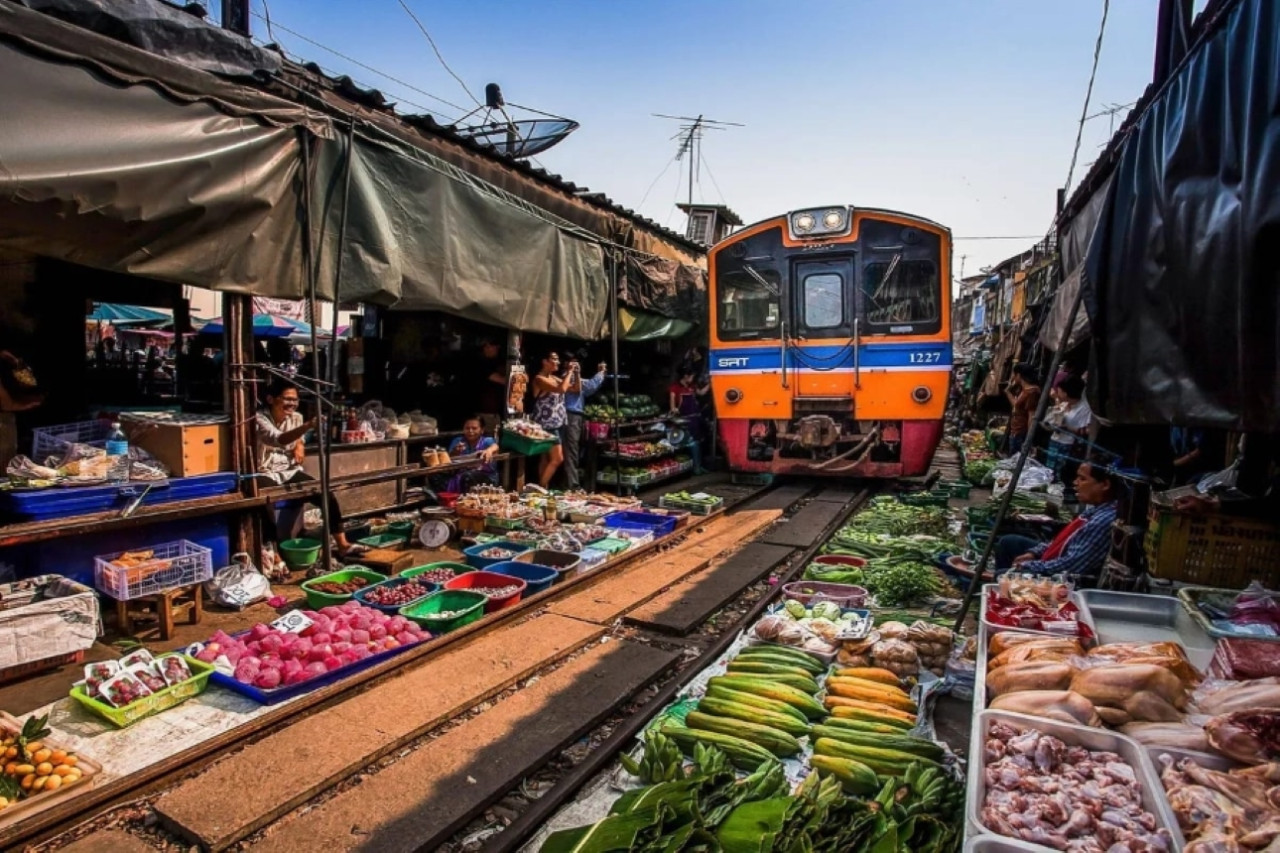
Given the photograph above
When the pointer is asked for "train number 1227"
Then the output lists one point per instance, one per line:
(925, 357)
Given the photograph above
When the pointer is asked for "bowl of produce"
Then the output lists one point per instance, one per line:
(809, 593)
(446, 610)
(300, 553)
(840, 560)
(390, 595)
(501, 591)
(537, 577)
(437, 573)
(497, 551)
(338, 587)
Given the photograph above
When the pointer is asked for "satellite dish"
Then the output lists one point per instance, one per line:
(518, 138)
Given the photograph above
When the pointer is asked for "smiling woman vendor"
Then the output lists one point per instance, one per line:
(1080, 548)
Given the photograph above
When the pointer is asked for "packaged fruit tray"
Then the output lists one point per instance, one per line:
(280, 694)
(155, 703)
(694, 507)
(42, 800)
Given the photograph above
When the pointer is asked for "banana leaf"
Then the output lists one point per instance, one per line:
(680, 798)
(615, 834)
(754, 827)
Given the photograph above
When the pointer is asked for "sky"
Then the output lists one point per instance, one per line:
(962, 111)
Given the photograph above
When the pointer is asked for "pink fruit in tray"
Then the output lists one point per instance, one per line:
(268, 679)
(260, 631)
(404, 638)
(315, 668)
(208, 654)
(360, 636)
(377, 632)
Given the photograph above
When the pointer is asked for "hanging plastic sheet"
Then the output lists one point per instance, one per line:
(664, 286)
(191, 180)
(1181, 280)
(424, 235)
(1076, 239)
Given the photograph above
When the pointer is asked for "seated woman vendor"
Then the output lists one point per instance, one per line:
(473, 441)
(1080, 549)
(278, 432)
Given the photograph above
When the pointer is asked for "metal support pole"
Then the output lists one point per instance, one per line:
(342, 245)
(1007, 499)
(617, 368)
(312, 266)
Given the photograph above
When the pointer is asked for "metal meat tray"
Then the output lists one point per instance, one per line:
(1130, 617)
(1132, 752)
(1076, 597)
(1190, 596)
(998, 844)
(1204, 759)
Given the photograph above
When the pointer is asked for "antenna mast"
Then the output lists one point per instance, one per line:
(690, 136)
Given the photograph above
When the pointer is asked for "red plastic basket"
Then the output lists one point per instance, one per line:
(22, 670)
(840, 560)
(845, 595)
(478, 581)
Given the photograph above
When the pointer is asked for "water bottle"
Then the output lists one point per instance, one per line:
(118, 452)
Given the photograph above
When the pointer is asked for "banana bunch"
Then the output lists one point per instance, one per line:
(661, 760)
(929, 789)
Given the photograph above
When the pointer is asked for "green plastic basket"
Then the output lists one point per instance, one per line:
(385, 540)
(148, 705)
(516, 443)
(401, 528)
(317, 600)
(458, 569)
(471, 604)
(610, 545)
(300, 553)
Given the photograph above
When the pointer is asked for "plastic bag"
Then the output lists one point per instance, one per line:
(1256, 605)
(238, 585)
(1035, 477)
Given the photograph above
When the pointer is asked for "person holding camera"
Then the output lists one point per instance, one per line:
(574, 401)
(1023, 394)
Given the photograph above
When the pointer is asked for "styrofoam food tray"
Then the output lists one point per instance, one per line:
(1133, 753)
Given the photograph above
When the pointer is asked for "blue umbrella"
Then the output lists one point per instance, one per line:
(264, 326)
(123, 315)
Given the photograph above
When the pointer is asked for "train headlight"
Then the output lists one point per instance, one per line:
(833, 220)
(820, 222)
(733, 395)
(803, 223)
(921, 394)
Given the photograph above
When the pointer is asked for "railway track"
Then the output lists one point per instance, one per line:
(479, 741)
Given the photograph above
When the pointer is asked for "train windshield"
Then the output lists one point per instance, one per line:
(749, 287)
(901, 293)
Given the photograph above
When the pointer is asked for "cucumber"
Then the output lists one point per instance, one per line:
(777, 742)
(737, 711)
(742, 698)
(768, 654)
(798, 699)
(742, 754)
(790, 676)
(916, 746)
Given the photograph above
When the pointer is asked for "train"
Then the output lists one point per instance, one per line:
(830, 343)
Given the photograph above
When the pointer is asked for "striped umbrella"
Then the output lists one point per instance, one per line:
(264, 326)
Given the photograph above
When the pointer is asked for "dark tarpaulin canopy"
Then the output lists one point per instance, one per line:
(664, 286)
(1182, 282)
(191, 180)
(424, 235)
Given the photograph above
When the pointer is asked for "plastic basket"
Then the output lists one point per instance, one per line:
(392, 609)
(611, 546)
(538, 578)
(317, 600)
(658, 524)
(22, 670)
(494, 522)
(480, 581)
(476, 561)
(456, 568)
(155, 703)
(562, 562)
(693, 507)
(171, 565)
(54, 440)
(426, 611)
(592, 558)
(516, 443)
(808, 592)
(391, 541)
(1212, 550)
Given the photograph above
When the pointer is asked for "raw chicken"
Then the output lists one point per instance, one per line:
(1040, 790)
(1122, 687)
(1061, 705)
(1176, 735)
(1030, 676)
(1250, 737)
(1226, 697)
(1224, 812)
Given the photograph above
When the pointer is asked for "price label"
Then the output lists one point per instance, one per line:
(236, 595)
(293, 622)
(700, 496)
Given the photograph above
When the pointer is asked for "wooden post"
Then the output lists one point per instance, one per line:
(239, 394)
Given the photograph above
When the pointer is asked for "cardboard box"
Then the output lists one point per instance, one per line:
(188, 445)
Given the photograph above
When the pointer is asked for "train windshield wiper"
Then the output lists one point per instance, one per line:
(761, 280)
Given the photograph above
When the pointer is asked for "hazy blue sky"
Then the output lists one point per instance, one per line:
(964, 111)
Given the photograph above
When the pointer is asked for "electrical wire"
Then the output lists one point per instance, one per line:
(704, 165)
(366, 67)
(266, 16)
(1088, 95)
(439, 56)
(645, 197)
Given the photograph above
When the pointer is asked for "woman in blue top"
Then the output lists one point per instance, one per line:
(473, 440)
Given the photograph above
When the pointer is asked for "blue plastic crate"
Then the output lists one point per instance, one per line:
(659, 525)
(66, 501)
(538, 578)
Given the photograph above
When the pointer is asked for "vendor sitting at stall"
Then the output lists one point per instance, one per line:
(1080, 549)
(473, 441)
(278, 432)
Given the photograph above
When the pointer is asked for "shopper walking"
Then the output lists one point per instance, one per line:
(574, 404)
(1024, 397)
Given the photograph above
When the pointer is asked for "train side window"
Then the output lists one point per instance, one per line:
(823, 295)
(901, 294)
(749, 308)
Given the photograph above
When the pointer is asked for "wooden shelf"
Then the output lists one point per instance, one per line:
(28, 532)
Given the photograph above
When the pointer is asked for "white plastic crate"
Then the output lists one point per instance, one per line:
(54, 440)
(171, 565)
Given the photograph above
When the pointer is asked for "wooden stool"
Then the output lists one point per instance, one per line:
(163, 608)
